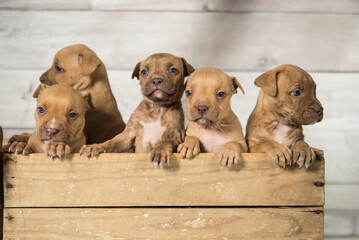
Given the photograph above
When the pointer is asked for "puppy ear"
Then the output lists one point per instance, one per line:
(268, 82)
(236, 85)
(88, 100)
(136, 71)
(40, 88)
(188, 69)
(89, 62)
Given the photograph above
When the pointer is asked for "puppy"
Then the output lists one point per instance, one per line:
(60, 120)
(157, 124)
(287, 100)
(212, 127)
(79, 67)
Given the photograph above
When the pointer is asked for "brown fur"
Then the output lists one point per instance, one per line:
(79, 67)
(275, 125)
(157, 124)
(57, 134)
(218, 128)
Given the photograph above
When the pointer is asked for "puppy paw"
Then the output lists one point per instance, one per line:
(303, 155)
(57, 150)
(20, 148)
(190, 148)
(92, 150)
(281, 155)
(24, 137)
(161, 157)
(230, 155)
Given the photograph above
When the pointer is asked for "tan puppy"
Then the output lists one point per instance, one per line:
(287, 100)
(157, 124)
(60, 120)
(212, 127)
(79, 67)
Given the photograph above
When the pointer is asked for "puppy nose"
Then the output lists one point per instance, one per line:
(202, 109)
(157, 81)
(43, 78)
(52, 131)
(318, 109)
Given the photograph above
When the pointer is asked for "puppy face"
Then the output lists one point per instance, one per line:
(161, 77)
(60, 113)
(292, 94)
(71, 66)
(208, 94)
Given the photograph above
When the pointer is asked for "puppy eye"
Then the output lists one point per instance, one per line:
(296, 93)
(221, 94)
(41, 110)
(144, 72)
(58, 68)
(188, 93)
(173, 70)
(72, 115)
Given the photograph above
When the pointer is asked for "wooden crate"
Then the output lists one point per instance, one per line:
(122, 196)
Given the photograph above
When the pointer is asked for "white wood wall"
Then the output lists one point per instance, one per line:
(243, 38)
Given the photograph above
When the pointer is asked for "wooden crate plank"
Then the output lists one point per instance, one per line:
(130, 180)
(238, 41)
(303, 6)
(178, 223)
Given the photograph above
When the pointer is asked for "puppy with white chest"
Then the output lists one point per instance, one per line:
(287, 100)
(157, 124)
(60, 120)
(213, 126)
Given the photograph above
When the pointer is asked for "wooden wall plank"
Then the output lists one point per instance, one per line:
(130, 180)
(179, 223)
(238, 41)
(293, 6)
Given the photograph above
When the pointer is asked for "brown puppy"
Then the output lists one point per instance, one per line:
(287, 100)
(60, 120)
(212, 127)
(79, 67)
(157, 124)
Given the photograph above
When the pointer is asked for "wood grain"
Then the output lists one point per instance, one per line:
(238, 41)
(130, 180)
(179, 223)
(279, 6)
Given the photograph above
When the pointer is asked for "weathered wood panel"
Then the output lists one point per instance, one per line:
(179, 223)
(130, 180)
(294, 6)
(242, 41)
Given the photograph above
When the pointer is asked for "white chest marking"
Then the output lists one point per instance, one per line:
(152, 133)
(281, 135)
(212, 142)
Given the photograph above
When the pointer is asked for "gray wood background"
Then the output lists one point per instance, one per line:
(243, 38)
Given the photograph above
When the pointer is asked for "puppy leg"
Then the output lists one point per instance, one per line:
(190, 148)
(121, 143)
(278, 153)
(303, 155)
(230, 154)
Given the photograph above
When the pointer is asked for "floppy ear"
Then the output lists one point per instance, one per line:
(40, 88)
(89, 62)
(136, 71)
(268, 82)
(236, 85)
(188, 69)
(88, 100)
